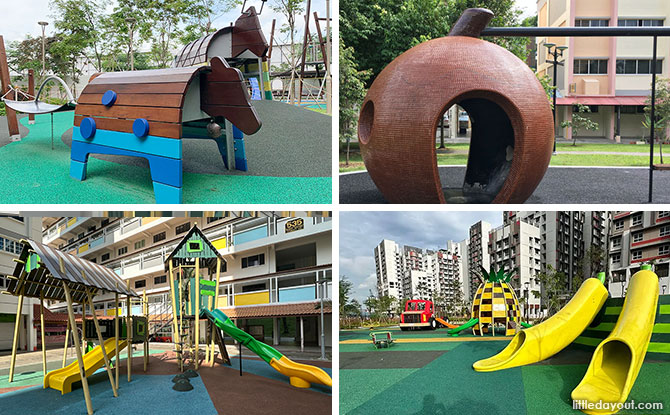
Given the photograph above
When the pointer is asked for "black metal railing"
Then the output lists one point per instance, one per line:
(609, 31)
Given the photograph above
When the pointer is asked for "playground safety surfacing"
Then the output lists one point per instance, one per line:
(34, 173)
(425, 374)
(218, 390)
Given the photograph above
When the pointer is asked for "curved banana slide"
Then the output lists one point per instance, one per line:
(553, 335)
(62, 379)
(300, 375)
(617, 360)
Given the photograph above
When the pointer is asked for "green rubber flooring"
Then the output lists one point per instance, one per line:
(34, 173)
(447, 384)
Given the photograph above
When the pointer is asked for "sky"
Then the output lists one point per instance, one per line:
(360, 232)
(21, 18)
(528, 7)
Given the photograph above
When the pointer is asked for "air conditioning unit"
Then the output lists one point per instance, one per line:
(573, 88)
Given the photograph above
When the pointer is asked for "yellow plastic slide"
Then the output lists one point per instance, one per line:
(553, 335)
(62, 379)
(301, 375)
(617, 360)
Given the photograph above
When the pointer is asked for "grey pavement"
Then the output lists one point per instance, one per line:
(293, 142)
(4, 129)
(575, 185)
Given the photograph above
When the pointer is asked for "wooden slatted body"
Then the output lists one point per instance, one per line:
(156, 95)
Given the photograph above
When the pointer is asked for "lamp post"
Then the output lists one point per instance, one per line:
(131, 28)
(664, 287)
(527, 284)
(556, 52)
(44, 25)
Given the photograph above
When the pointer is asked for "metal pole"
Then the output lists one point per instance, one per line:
(129, 329)
(197, 313)
(329, 78)
(323, 329)
(117, 335)
(554, 92)
(15, 342)
(653, 121)
(44, 347)
(302, 335)
(240, 352)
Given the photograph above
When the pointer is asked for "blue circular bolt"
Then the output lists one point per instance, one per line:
(141, 127)
(109, 98)
(87, 127)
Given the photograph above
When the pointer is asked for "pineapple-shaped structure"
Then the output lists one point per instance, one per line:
(495, 302)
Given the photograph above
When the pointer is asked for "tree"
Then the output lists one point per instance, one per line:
(79, 24)
(580, 122)
(593, 261)
(290, 9)
(385, 303)
(346, 289)
(166, 17)
(201, 15)
(552, 285)
(662, 110)
(119, 33)
(352, 96)
(548, 86)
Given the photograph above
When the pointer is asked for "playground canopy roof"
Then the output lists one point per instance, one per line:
(182, 250)
(41, 269)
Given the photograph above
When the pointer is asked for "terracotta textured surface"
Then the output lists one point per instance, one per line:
(303, 309)
(512, 122)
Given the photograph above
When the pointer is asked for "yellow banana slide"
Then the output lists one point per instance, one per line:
(62, 379)
(617, 360)
(301, 375)
(553, 335)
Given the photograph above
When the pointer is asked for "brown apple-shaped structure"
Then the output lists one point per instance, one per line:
(512, 123)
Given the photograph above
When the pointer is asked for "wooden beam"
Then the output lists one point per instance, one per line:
(197, 312)
(5, 82)
(181, 322)
(216, 305)
(44, 347)
(145, 310)
(117, 334)
(102, 346)
(272, 38)
(77, 345)
(129, 329)
(65, 346)
(304, 50)
(322, 45)
(15, 342)
(175, 329)
(31, 91)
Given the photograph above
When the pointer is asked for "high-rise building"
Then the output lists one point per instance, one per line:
(611, 75)
(637, 237)
(448, 270)
(478, 254)
(389, 268)
(12, 230)
(464, 272)
(516, 247)
(268, 279)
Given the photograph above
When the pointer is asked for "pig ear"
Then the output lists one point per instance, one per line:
(472, 22)
(219, 64)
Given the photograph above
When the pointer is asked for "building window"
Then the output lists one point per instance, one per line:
(185, 227)
(104, 257)
(140, 283)
(616, 242)
(123, 251)
(665, 230)
(94, 260)
(254, 260)
(162, 279)
(591, 66)
(616, 258)
(139, 244)
(640, 22)
(214, 219)
(637, 219)
(253, 287)
(637, 66)
(664, 214)
(618, 225)
(159, 237)
(636, 254)
(664, 249)
(10, 246)
(592, 22)
(632, 109)
(575, 109)
(638, 237)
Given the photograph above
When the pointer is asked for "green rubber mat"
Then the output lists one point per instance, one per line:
(34, 173)
(344, 348)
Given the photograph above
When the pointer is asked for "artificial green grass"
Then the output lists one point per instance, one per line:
(33, 173)
(399, 347)
(359, 386)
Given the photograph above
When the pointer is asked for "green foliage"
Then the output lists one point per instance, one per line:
(553, 287)
(580, 122)
(3, 109)
(548, 86)
(593, 261)
(352, 96)
(662, 110)
(497, 276)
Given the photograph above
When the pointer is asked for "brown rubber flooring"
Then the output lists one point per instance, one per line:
(233, 394)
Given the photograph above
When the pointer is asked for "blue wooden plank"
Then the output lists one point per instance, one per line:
(77, 170)
(240, 154)
(163, 169)
(167, 194)
(157, 146)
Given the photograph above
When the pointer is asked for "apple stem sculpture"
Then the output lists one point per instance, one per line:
(512, 133)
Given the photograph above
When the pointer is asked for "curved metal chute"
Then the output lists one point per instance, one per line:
(38, 107)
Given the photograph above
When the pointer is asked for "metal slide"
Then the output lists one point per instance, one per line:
(39, 107)
(300, 375)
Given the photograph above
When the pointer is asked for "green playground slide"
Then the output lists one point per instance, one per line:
(465, 326)
(300, 375)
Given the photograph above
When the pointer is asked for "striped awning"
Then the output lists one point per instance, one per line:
(41, 270)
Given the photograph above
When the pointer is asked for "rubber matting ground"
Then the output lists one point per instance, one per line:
(393, 359)
(34, 173)
(560, 185)
(449, 385)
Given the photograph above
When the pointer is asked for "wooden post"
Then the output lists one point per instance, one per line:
(102, 344)
(304, 50)
(175, 330)
(66, 345)
(145, 310)
(302, 335)
(77, 345)
(5, 81)
(322, 45)
(116, 335)
(216, 303)
(83, 325)
(44, 347)
(272, 38)
(17, 329)
(197, 312)
(31, 91)
(129, 329)
(181, 322)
